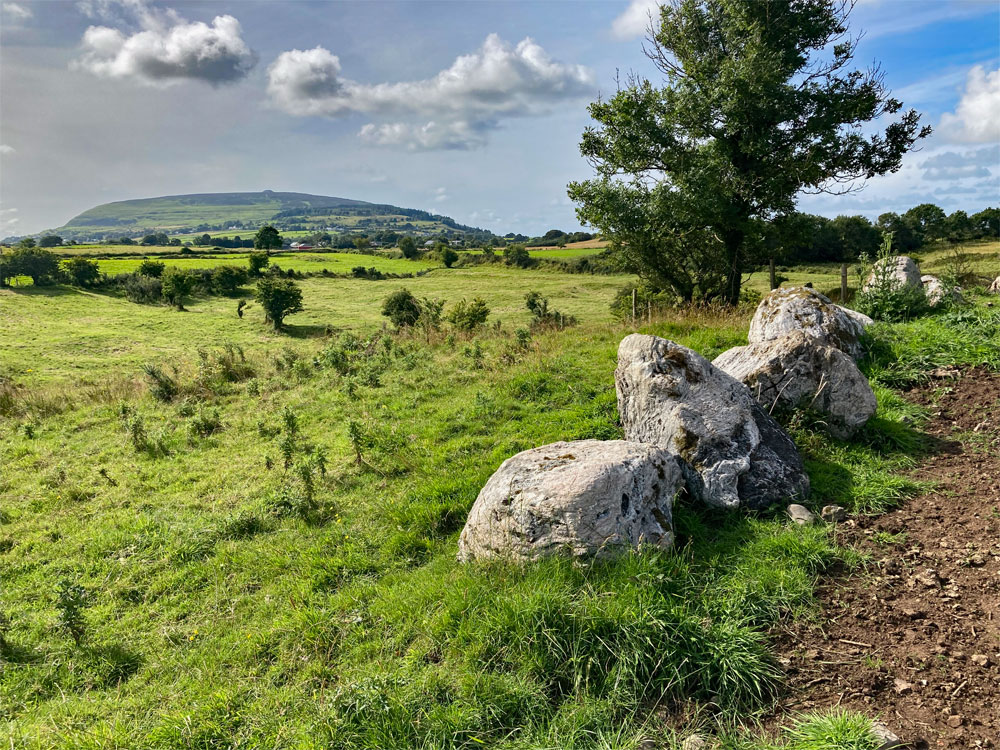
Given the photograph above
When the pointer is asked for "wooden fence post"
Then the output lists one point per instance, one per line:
(771, 274)
(843, 283)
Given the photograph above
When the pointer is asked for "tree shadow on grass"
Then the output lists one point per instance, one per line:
(112, 664)
(57, 290)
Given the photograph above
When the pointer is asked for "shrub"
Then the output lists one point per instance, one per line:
(517, 255)
(402, 308)
(82, 272)
(227, 279)
(448, 257)
(204, 423)
(71, 600)
(151, 268)
(468, 316)
(543, 316)
(139, 289)
(177, 284)
(409, 248)
(882, 295)
(258, 262)
(279, 298)
(162, 386)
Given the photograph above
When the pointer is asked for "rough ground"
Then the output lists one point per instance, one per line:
(915, 638)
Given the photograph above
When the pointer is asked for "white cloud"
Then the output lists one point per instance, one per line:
(977, 117)
(16, 13)
(430, 136)
(634, 22)
(465, 100)
(440, 195)
(166, 49)
(952, 165)
(5, 149)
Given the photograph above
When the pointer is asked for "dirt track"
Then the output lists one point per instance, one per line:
(915, 638)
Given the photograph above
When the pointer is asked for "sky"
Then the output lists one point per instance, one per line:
(469, 109)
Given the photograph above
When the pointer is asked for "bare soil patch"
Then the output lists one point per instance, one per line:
(914, 638)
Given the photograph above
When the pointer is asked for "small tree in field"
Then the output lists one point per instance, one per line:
(448, 257)
(758, 102)
(402, 308)
(278, 297)
(267, 238)
(408, 246)
(152, 268)
(177, 284)
(82, 272)
(41, 265)
(258, 262)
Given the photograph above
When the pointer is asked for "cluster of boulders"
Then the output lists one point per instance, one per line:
(902, 271)
(690, 424)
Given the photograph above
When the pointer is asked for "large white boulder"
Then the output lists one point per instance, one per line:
(936, 292)
(897, 271)
(800, 372)
(732, 453)
(796, 308)
(589, 497)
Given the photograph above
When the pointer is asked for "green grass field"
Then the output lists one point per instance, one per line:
(268, 556)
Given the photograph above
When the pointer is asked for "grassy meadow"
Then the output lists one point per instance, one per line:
(264, 528)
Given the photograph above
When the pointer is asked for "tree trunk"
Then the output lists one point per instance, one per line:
(734, 272)
(772, 276)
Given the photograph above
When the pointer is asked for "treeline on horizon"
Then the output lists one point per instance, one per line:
(807, 238)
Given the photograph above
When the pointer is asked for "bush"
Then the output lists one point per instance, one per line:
(402, 308)
(82, 272)
(884, 297)
(177, 284)
(278, 297)
(517, 255)
(468, 316)
(228, 279)
(151, 268)
(162, 386)
(408, 246)
(140, 289)
(258, 262)
(543, 316)
(448, 257)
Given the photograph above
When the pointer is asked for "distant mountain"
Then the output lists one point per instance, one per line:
(203, 212)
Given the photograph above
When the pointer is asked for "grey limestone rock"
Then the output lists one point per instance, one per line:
(732, 453)
(588, 497)
(798, 371)
(789, 309)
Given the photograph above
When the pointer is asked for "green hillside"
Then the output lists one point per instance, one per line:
(202, 212)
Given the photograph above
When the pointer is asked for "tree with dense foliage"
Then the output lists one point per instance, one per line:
(227, 279)
(177, 284)
(82, 272)
(152, 268)
(448, 256)
(402, 308)
(758, 103)
(160, 239)
(904, 239)
(50, 240)
(927, 221)
(408, 246)
(517, 255)
(258, 262)
(858, 237)
(26, 243)
(41, 265)
(279, 298)
(267, 239)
